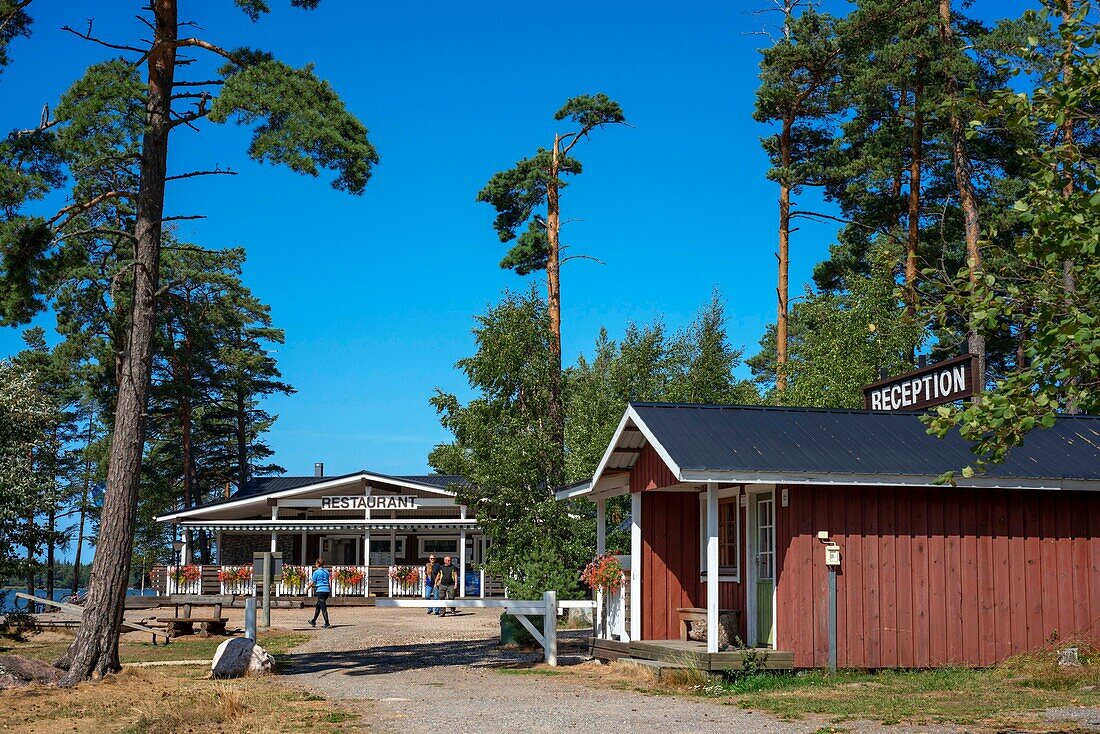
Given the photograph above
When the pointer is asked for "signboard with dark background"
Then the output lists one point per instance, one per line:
(937, 384)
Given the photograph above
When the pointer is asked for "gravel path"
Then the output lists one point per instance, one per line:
(430, 674)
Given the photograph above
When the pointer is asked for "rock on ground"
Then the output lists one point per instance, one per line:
(232, 658)
(261, 662)
(16, 670)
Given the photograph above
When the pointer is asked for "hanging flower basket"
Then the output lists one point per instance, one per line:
(235, 575)
(294, 575)
(183, 574)
(604, 573)
(405, 574)
(349, 576)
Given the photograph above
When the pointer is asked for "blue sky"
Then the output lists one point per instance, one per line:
(377, 293)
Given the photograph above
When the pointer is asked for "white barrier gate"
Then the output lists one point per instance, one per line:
(548, 608)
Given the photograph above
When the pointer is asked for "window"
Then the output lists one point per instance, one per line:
(729, 534)
(383, 546)
(447, 546)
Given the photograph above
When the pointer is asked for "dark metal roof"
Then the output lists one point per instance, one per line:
(262, 486)
(739, 438)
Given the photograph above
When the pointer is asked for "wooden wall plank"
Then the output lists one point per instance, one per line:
(918, 577)
(953, 595)
(872, 574)
(1033, 570)
(887, 505)
(852, 634)
(1017, 572)
(1002, 636)
(937, 578)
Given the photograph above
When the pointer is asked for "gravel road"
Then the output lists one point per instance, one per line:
(424, 674)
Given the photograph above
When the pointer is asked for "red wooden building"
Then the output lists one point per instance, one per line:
(929, 574)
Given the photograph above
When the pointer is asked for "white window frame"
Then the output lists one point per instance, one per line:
(726, 574)
(400, 543)
(424, 554)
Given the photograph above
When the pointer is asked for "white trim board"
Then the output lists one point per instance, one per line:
(306, 489)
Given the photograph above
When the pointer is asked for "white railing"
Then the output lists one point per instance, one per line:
(177, 585)
(548, 608)
(345, 588)
(230, 581)
(401, 587)
(297, 587)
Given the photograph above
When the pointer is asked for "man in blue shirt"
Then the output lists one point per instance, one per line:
(321, 581)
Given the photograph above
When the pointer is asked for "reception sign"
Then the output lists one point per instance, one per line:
(945, 382)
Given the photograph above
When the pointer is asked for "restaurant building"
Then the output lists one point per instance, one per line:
(366, 521)
(825, 535)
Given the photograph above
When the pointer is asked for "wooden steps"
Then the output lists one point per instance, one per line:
(687, 654)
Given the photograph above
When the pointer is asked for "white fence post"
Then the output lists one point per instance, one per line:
(550, 627)
(481, 582)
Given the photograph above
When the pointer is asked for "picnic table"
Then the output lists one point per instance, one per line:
(185, 625)
(73, 610)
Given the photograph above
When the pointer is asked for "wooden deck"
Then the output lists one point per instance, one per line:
(688, 653)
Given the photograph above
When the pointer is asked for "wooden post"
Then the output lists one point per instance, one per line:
(274, 535)
(302, 555)
(636, 566)
(712, 568)
(550, 627)
(481, 582)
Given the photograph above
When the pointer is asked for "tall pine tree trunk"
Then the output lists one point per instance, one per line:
(964, 182)
(553, 304)
(242, 439)
(916, 161)
(783, 288)
(1069, 280)
(94, 652)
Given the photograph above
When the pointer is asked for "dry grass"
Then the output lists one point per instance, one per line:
(139, 701)
(1013, 695)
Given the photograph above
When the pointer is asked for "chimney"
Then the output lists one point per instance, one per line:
(319, 469)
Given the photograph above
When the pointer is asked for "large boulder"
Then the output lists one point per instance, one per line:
(726, 630)
(261, 661)
(16, 670)
(232, 658)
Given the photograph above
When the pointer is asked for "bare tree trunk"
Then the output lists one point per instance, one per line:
(83, 502)
(51, 551)
(964, 182)
(553, 304)
(1069, 280)
(912, 243)
(94, 652)
(783, 288)
(242, 440)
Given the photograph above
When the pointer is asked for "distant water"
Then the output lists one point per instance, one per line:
(8, 600)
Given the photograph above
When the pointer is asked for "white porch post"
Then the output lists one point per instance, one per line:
(219, 542)
(393, 547)
(185, 553)
(366, 543)
(636, 566)
(712, 568)
(601, 548)
(302, 555)
(462, 562)
(274, 537)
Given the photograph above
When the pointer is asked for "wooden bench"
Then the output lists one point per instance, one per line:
(185, 625)
(690, 615)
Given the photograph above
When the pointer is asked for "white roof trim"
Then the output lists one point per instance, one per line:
(334, 482)
(574, 490)
(319, 524)
(890, 480)
(630, 417)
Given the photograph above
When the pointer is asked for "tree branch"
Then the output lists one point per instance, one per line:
(97, 230)
(179, 217)
(192, 174)
(74, 209)
(199, 43)
(87, 36)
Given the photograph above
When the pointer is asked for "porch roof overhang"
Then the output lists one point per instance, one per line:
(355, 483)
(840, 445)
(323, 525)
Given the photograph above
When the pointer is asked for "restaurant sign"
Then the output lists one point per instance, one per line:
(370, 502)
(945, 382)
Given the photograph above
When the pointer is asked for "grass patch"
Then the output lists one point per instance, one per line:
(49, 647)
(148, 700)
(1014, 693)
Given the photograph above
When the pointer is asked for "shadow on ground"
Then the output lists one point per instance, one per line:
(487, 653)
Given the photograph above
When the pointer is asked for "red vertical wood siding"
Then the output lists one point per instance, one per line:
(671, 552)
(936, 576)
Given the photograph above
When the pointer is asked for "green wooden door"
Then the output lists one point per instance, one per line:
(765, 568)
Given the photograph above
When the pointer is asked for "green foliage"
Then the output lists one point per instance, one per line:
(590, 111)
(841, 340)
(299, 121)
(503, 444)
(1048, 287)
(14, 22)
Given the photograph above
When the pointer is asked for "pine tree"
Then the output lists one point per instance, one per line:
(520, 193)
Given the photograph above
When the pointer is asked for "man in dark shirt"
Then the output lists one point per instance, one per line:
(445, 582)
